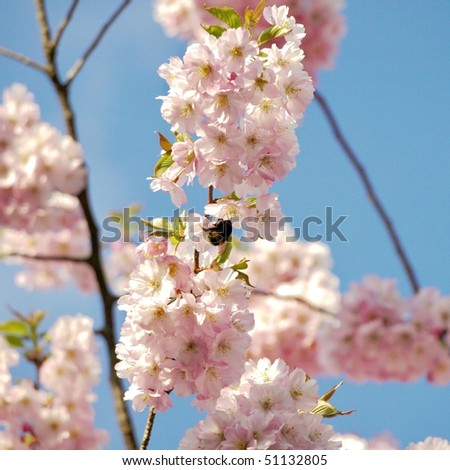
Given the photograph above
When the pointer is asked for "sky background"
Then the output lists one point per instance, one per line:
(390, 92)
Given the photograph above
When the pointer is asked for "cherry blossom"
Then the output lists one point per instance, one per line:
(268, 409)
(383, 336)
(185, 330)
(290, 279)
(430, 443)
(233, 105)
(323, 21)
(59, 414)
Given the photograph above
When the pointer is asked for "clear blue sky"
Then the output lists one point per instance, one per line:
(390, 91)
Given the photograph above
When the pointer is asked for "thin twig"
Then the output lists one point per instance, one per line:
(294, 298)
(63, 25)
(95, 261)
(370, 191)
(148, 429)
(78, 65)
(196, 261)
(48, 258)
(211, 194)
(23, 59)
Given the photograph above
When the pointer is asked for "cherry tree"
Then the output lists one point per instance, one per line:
(223, 304)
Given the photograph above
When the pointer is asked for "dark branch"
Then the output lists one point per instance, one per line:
(76, 68)
(148, 429)
(48, 258)
(375, 200)
(23, 59)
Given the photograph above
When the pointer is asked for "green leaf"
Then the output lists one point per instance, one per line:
(163, 164)
(243, 264)
(327, 410)
(273, 32)
(182, 137)
(225, 254)
(14, 341)
(165, 143)
(178, 228)
(226, 14)
(160, 223)
(244, 277)
(215, 30)
(14, 328)
(251, 202)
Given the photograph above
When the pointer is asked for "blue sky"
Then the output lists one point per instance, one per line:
(390, 92)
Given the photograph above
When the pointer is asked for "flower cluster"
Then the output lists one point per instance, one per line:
(242, 103)
(294, 300)
(36, 162)
(430, 443)
(383, 336)
(186, 328)
(323, 21)
(61, 417)
(388, 442)
(269, 409)
(352, 441)
(41, 173)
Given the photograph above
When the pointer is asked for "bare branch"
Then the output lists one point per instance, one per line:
(76, 68)
(47, 258)
(23, 59)
(44, 27)
(375, 200)
(63, 25)
(294, 298)
(148, 429)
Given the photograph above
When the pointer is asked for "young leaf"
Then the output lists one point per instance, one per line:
(226, 14)
(327, 410)
(243, 264)
(163, 164)
(244, 277)
(330, 392)
(273, 32)
(164, 143)
(160, 223)
(215, 30)
(14, 328)
(252, 17)
(14, 341)
(182, 137)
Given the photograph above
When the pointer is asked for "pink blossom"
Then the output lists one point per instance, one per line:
(259, 413)
(324, 24)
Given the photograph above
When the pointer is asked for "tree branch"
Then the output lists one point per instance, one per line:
(78, 65)
(95, 261)
(23, 59)
(48, 258)
(63, 25)
(370, 191)
(148, 429)
(294, 298)
(44, 27)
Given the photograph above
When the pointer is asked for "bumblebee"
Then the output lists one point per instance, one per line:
(219, 232)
